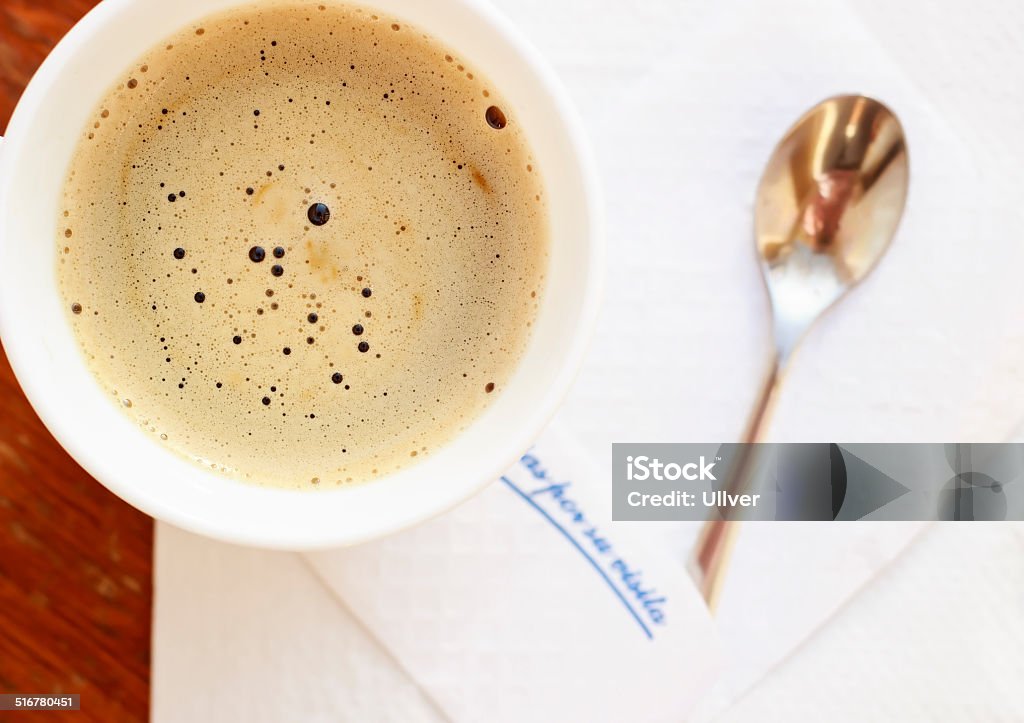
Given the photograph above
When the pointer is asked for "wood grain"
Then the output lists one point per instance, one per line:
(75, 561)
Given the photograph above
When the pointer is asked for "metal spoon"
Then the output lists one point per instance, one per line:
(827, 207)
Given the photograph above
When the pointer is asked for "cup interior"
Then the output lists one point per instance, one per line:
(40, 344)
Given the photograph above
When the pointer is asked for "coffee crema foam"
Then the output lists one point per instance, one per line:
(303, 245)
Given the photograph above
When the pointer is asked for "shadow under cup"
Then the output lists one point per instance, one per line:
(44, 353)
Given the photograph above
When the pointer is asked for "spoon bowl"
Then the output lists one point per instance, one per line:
(828, 205)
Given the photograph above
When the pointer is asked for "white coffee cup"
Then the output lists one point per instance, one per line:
(34, 160)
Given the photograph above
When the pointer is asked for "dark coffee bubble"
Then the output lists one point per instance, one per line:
(256, 112)
(489, 387)
(249, 191)
(279, 252)
(76, 308)
(312, 318)
(287, 350)
(364, 347)
(280, 167)
(179, 253)
(237, 339)
(277, 269)
(257, 254)
(310, 340)
(495, 118)
(357, 329)
(337, 378)
(172, 198)
(319, 214)
(367, 293)
(266, 401)
(200, 297)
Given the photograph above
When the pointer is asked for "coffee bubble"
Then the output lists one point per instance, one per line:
(318, 214)
(495, 118)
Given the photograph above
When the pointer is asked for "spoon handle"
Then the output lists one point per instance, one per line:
(718, 536)
(759, 415)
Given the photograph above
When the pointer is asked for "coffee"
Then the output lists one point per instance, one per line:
(303, 245)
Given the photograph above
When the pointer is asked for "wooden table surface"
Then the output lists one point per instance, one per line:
(75, 561)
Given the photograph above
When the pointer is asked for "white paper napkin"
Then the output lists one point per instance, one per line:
(684, 337)
(525, 603)
(529, 603)
(241, 634)
(937, 638)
